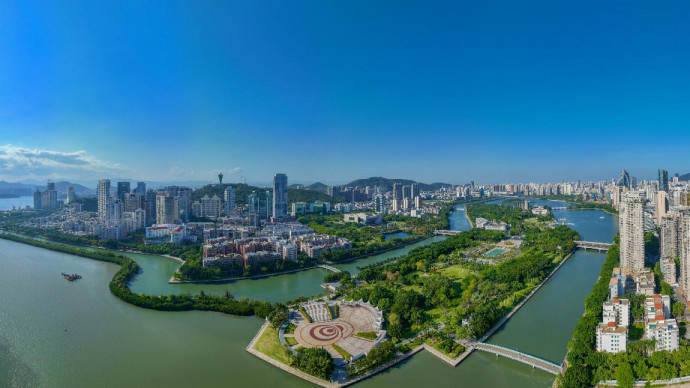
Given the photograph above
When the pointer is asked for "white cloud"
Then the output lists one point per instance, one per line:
(33, 163)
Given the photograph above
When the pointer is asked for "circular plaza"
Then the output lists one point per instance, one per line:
(345, 329)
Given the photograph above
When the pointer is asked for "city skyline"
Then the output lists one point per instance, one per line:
(329, 92)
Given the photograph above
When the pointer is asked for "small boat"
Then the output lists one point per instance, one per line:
(602, 217)
(71, 277)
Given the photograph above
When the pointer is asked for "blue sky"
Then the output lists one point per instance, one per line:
(489, 91)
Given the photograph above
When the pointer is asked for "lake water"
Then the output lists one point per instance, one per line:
(76, 334)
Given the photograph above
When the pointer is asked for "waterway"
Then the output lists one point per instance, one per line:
(76, 334)
(16, 203)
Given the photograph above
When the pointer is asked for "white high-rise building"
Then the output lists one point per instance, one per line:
(611, 338)
(661, 206)
(631, 227)
(618, 311)
(103, 198)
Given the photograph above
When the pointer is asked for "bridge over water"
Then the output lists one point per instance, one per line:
(328, 267)
(599, 246)
(447, 232)
(533, 361)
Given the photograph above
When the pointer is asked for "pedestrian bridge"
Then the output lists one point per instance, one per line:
(533, 361)
(601, 247)
(447, 232)
(328, 267)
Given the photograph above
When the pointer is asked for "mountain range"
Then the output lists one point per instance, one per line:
(26, 189)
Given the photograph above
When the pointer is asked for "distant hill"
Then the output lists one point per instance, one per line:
(318, 186)
(242, 193)
(684, 177)
(26, 189)
(387, 183)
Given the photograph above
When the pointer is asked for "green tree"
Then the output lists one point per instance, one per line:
(624, 375)
(678, 309)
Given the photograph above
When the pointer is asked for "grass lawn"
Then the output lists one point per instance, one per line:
(291, 341)
(457, 351)
(342, 351)
(269, 344)
(368, 335)
(454, 271)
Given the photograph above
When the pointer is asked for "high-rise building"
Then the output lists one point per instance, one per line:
(625, 180)
(631, 227)
(103, 197)
(122, 189)
(414, 190)
(133, 201)
(661, 205)
(165, 209)
(407, 192)
(211, 206)
(38, 200)
(229, 197)
(280, 196)
(71, 197)
(671, 236)
(663, 180)
(141, 188)
(684, 253)
(150, 207)
(113, 214)
(49, 198)
(380, 203)
(397, 191)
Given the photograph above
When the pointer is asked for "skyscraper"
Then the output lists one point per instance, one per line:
(38, 200)
(414, 190)
(165, 209)
(671, 236)
(397, 191)
(380, 203)
(625, 180)
(122, 189)
(663, 180)
(103, 197)
(280, 196)
(661, 206)
(631, 226)
(71, 197)
(229, 197)
(141, 188)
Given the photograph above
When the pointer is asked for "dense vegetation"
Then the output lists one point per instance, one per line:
(414, 292)
(194, 270)
(314, 361)
(512, 215)
(376, 357)
(129, 268)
